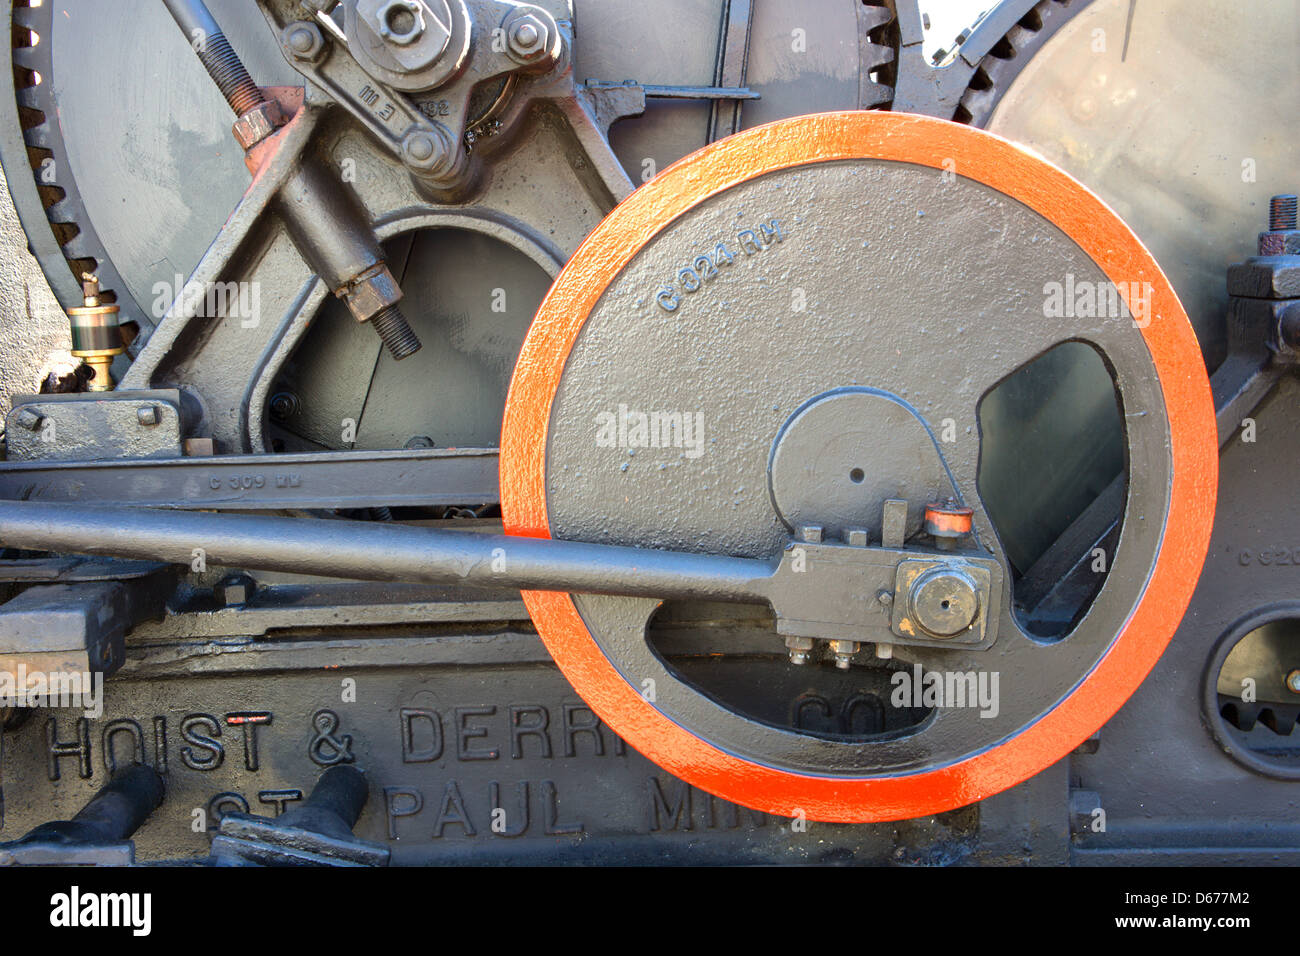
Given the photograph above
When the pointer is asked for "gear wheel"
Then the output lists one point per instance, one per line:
(1003, 63)
(77, 243)
(52, 203)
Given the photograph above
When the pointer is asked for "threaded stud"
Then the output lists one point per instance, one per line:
(396, 332)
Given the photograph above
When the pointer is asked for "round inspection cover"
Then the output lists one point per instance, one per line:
(847, 250)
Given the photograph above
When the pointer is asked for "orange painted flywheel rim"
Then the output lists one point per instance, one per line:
(1004, 167)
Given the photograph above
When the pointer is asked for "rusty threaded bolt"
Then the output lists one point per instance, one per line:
(1281, 213)
(396, 332)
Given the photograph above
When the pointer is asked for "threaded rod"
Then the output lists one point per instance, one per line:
(1282, 213)
(396, 332)
(216, 54)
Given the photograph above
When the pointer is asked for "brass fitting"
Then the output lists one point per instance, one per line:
(96, 334)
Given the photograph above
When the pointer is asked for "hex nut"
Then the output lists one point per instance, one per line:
(370, 293)
(427, 150)
(257, 124)
(528, 37)
(391, 33)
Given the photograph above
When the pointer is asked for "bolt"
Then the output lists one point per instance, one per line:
(304, 40)
(30, 419)
(885, 598)
(420, 441)
(526, 35)
(1282, 213)
(856, 537)
(420, 146)
(811, 533)
(1281, 237)
(284, 405)
(800, 649)
(1293, 682)
(528, 38)
(147, 415)
(396, 333)
(844, 651)
(425, 150)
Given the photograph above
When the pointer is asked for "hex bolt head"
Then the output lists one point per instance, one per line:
(147, 415)
(30, 419)
(1293, 681)
(812, 533)
(856, 537)
(420, 441)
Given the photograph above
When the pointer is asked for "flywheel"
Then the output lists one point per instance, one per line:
(784, 341)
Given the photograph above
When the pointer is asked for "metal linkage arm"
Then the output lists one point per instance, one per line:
(380, 552)
(817, 589)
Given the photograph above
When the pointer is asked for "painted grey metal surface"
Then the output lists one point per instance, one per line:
(1144, 760)
(453, 725)
(337, 480)
(94, 426)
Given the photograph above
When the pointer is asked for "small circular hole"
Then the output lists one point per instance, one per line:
(856, 476)
(945, 605)
(400, 20)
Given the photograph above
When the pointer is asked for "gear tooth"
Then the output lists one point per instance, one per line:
(77, 248)
(25, 17)
(873, 95)
(61, 211)
(874, 57)
(873, 18)
(25, 57)
(27, 97)
(1019, 37)
(39, 136)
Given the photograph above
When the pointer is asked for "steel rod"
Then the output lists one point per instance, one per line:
(379, 552)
